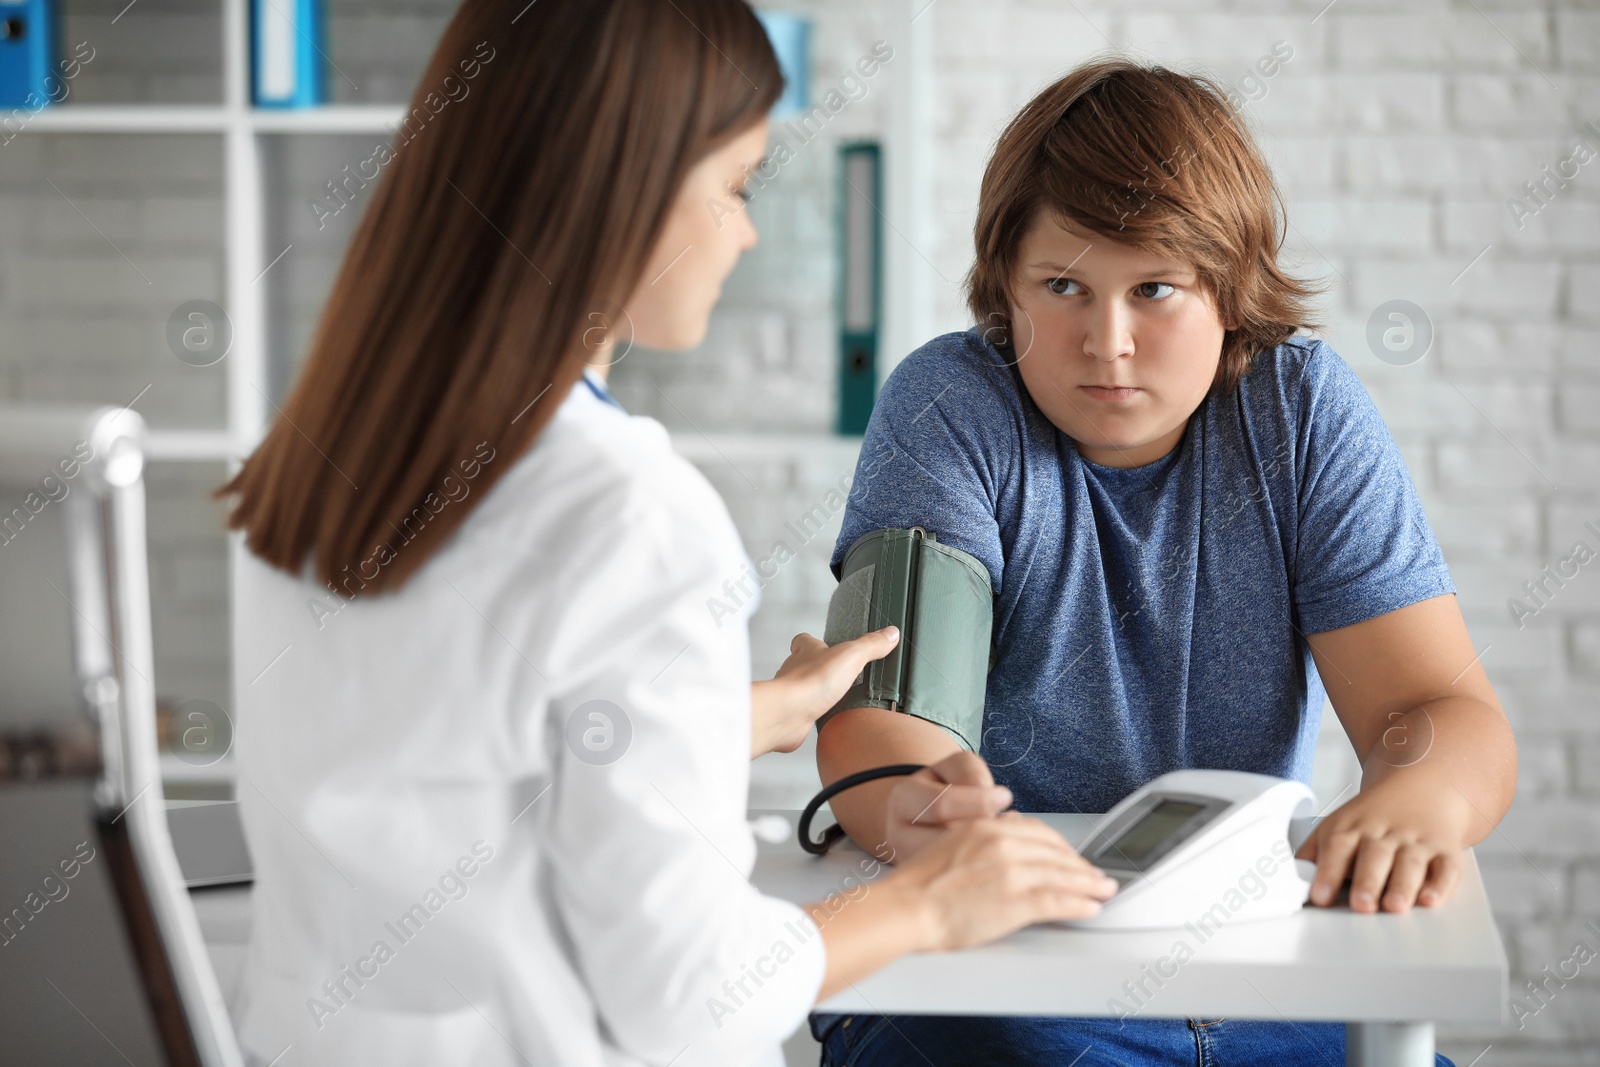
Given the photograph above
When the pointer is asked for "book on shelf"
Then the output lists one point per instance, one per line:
(286, 39)
(28, 48)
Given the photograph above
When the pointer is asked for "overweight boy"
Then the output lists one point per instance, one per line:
(1195, 524)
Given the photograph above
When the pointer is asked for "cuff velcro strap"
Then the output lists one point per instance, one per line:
(941, 600)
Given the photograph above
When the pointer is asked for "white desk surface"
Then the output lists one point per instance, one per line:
(1428, 964)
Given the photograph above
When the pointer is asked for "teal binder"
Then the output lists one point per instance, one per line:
(860, 281)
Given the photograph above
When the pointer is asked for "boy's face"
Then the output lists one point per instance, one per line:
(1088, 312)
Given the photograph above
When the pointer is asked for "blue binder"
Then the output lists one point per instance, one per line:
(27, 49)
(286, 43)
(791, 40)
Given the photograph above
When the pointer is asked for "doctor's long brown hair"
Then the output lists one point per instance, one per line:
(544, 147)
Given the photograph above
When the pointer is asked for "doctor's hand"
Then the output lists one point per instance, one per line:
(982, 879)
(811, 680)
(924, 805)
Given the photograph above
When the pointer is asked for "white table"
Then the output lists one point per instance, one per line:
(1389, 977)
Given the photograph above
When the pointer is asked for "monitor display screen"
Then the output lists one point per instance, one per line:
(1145, 837)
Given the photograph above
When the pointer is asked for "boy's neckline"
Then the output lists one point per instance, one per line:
(1155, 466)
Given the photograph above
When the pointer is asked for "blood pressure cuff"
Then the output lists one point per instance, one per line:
(941, 600)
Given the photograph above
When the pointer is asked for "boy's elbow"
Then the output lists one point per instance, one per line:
(839, 745)
(860, 738)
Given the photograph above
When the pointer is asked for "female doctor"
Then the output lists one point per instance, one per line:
(494, 757)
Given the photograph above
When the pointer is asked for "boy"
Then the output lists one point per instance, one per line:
(1194, 521)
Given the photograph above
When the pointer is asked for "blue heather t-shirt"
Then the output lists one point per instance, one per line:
(1152, 618)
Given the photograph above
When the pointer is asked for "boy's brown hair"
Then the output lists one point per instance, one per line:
(1158, 160)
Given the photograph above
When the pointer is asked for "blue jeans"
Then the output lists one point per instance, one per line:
(1019, 1041)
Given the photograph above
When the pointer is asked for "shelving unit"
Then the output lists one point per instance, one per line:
(202, 118)
(241, 127)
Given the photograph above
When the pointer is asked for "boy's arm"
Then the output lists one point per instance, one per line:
(1439, 764)
(895, 818)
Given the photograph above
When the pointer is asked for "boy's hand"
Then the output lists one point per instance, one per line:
(1438, 761)
(810, 682)
(1400, 843)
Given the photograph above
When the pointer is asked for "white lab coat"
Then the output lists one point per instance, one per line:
(440, 877)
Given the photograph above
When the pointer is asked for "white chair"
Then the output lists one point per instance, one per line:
(101, 959)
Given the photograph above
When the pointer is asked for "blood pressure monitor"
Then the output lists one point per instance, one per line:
(1201, 847)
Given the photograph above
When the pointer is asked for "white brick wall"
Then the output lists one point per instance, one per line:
(1398, 132)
